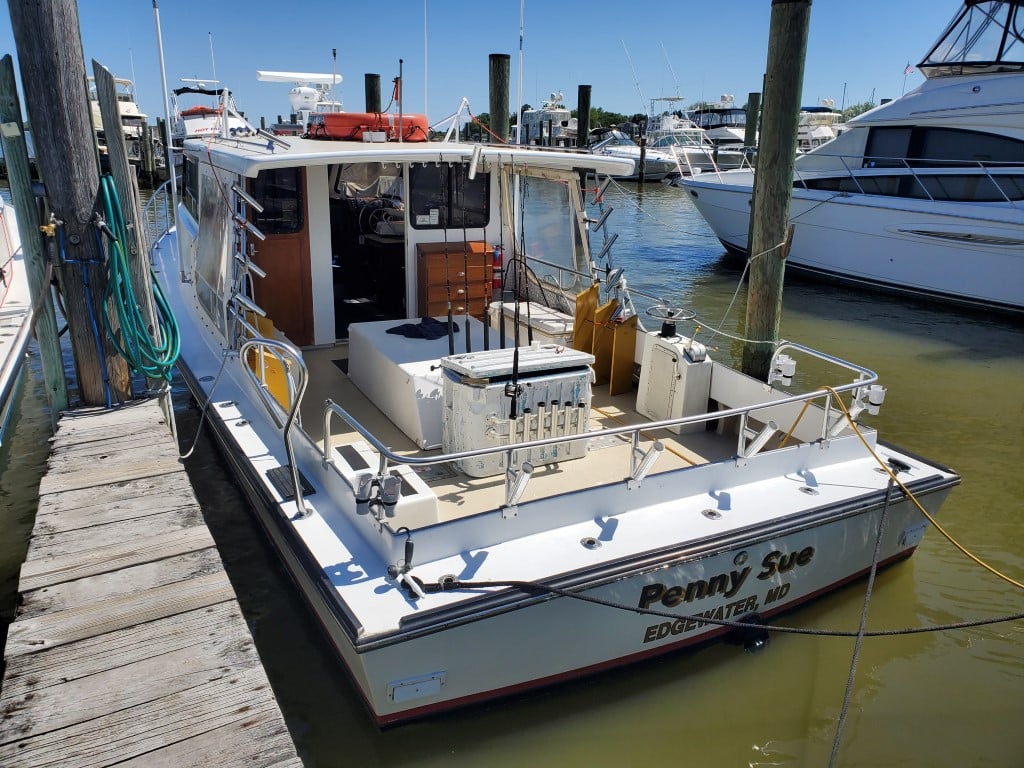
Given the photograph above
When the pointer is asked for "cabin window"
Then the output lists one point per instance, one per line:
(964, 188)
(444, 197)
(279, 191)
(549, 235)
(890, 147)
(190, 185)
(211, 253)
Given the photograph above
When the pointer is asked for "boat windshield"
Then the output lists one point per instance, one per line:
(549, 234)
(985, 36)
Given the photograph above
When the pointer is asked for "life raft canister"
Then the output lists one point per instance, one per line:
(351, 126)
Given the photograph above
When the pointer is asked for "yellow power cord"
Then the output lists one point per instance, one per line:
(917, 504)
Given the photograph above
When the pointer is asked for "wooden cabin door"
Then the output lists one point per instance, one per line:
(286, 293)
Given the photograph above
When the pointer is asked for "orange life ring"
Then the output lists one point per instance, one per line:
(195, 111)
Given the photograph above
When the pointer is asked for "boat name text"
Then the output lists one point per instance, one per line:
(725, 584)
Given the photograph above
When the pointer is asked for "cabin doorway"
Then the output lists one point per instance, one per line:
(285, 294)
(367, 211)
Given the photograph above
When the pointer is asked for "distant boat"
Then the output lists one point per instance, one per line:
(691, 145)
(923, 195)
(15, 312)
(210, 112)
(133, 120)
(311, 92)
(723, 122)
(612, 142)
(818, 125)
(551, 125)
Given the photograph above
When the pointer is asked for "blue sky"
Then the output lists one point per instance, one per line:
(628, 53)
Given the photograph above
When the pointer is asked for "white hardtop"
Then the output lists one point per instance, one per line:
(248, 156)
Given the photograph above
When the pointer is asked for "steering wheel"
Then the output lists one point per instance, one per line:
(671, 314)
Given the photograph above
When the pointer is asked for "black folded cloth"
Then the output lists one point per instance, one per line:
(426, 328)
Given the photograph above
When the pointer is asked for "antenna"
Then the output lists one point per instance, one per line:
(213, 61)
(519, 92)
(672, 71)
(636, 80)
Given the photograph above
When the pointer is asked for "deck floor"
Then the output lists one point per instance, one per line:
(130, 648)
(607, 458)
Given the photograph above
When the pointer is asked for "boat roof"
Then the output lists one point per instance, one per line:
(248, 156)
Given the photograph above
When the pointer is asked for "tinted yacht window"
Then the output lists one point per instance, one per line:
(941, 147)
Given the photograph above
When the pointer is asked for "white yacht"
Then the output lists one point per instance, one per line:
(923, 195)
(723, 122)
(551, 125)
(423, 375)
(133, 120)
(818, 125)
(691, 145)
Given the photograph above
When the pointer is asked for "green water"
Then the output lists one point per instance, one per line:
(955, 394)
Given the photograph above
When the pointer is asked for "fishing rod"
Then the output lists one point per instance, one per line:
(465, 258)
(447, 277)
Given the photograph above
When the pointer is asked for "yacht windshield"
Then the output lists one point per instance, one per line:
(985, 36)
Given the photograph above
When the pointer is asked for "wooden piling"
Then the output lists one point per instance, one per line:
(773, 182)
(126, 183)
(582, 115)
(499, 72)
(753, 116)
(371, 87)
(49, 47)
(12, 132)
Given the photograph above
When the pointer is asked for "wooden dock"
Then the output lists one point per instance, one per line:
(130, 648)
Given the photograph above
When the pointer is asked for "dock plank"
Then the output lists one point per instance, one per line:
(81, 592)
(198, 630)
(39, 573)
(42, 632)
(130, 648)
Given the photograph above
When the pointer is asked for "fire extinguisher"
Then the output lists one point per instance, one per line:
(497, 267)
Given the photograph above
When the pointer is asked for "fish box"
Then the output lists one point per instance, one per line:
(552, 387)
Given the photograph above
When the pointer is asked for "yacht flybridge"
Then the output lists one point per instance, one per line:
(923, 195)
(486, 470)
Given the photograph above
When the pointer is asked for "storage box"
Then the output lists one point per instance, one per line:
(549, 326)
(553, 400)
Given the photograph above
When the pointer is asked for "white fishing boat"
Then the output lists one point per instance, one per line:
(923, 195)
(422, 374)
(691, 145)
(15, 312)
(657, 163)
(209, 111)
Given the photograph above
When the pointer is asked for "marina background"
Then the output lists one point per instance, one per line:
(937, 699)
(695, 50)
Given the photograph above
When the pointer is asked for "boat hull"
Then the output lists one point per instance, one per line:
(954, 251)
(512, 640)
(15, 313)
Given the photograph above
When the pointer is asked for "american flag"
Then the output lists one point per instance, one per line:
(908, 70)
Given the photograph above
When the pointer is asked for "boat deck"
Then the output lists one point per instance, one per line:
(608, 457)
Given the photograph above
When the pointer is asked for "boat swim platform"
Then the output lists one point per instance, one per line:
(130, 648)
